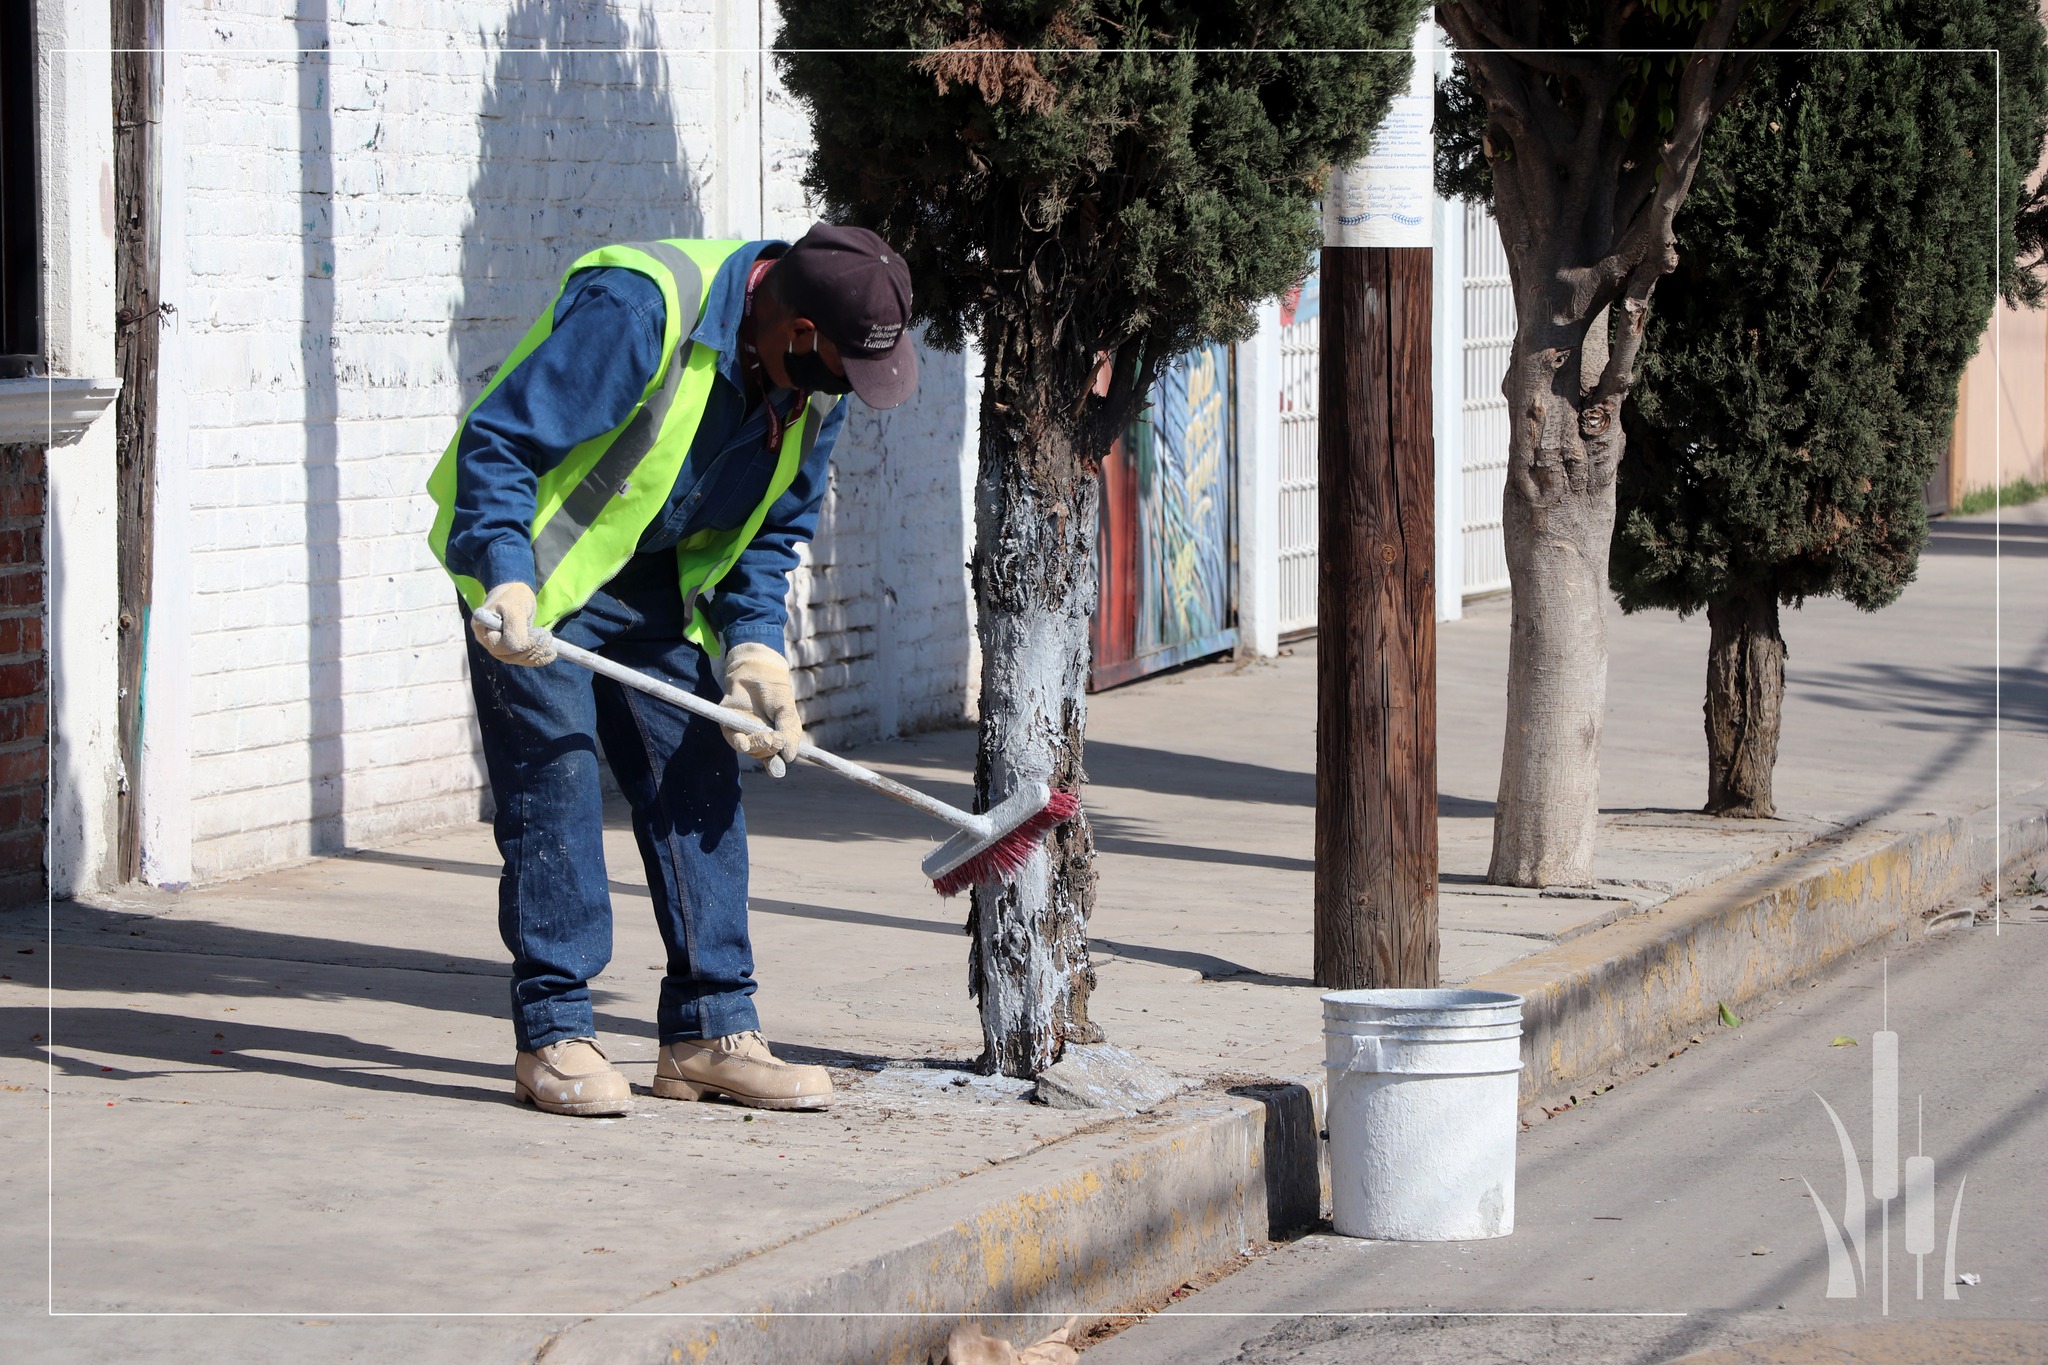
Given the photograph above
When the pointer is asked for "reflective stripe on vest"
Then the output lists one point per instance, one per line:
(591, 509)
(612, 475)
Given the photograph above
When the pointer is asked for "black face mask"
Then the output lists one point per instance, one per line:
(809, 372)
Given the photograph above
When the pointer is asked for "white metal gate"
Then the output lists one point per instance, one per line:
(1482, 444)
(1489, 339)
(1300, 340)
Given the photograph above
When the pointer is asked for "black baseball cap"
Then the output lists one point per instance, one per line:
(856, 289)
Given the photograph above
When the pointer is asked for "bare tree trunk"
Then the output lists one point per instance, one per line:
(1557, 521)
(1745, 701)
(1035, 590)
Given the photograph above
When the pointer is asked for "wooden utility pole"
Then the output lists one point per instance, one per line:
(1376, 853)
(137, 30)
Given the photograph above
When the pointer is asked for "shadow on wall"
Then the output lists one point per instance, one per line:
(578, 149)
(326, 739)
(67, 869)
(902, 623)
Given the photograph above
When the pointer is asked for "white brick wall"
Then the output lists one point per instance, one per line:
(363, 240)
(880, 620)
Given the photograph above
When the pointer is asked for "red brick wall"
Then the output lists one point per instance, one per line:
(24, 675)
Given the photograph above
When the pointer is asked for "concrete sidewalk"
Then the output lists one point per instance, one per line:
(290, 1095)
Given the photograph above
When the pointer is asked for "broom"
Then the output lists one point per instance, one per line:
(984, 848)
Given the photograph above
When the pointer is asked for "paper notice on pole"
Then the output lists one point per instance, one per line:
(1385, 199)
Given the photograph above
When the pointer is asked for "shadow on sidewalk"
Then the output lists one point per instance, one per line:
(815, 808)
(1961, 701)
(755, 906)
(1177, 774)
(1983, 539)
(1949, 698)
(184, 1048)
(173, 957)
(1130, 838)
(80, 924)
(1211, 967)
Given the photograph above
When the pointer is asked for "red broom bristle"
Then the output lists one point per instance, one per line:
(1005, 858)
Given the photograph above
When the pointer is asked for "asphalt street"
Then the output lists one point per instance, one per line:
(1670, 1215)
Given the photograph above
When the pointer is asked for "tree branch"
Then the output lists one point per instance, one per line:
(1128, 382)
(1745, 61)
(1618, 16)
(1619, 373)
(1529, 22)
(1501, 75)
(1592, 137)
(1700, 83)
(1488, 29)
(1648, 242)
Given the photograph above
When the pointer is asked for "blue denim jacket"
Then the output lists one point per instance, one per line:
(583, 381)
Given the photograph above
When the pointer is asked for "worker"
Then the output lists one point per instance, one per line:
(636, 479)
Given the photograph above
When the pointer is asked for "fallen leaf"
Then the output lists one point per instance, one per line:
(969, 1345)
(1728, 1019)
(1844, 1041)
(1759, 1251)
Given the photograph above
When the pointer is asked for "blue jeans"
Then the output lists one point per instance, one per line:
(541, 731)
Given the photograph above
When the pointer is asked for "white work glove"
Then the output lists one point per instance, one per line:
(518, 641)
(757, 682)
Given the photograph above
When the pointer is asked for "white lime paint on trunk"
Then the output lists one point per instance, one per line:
(1035, 575)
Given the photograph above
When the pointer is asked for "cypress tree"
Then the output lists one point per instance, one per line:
(1838, 261)
(1085, 188)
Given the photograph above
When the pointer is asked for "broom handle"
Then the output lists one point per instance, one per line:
(749, 724)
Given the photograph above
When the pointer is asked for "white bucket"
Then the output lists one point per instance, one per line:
(1422, 1112)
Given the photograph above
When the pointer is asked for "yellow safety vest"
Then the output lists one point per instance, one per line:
(591, 509)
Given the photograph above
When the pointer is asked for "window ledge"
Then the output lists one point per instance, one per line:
(51, 412)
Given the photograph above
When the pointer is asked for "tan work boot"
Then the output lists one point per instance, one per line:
(740, 1067)
(572, 1077)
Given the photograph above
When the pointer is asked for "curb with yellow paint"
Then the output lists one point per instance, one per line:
(1120, 1215)
(1621, 996)
(1096, 1223)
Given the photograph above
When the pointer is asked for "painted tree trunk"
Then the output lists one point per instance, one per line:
(1745, 702)
(1035, 590)
(1557, 520)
